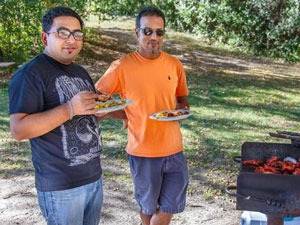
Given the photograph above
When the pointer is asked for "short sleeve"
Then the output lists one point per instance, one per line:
(25, 93)
(181, 89)
(110, 83)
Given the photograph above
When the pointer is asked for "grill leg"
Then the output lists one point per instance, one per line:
(275, 220)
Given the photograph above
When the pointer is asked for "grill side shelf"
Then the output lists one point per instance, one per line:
(288, 133)
(285, 136)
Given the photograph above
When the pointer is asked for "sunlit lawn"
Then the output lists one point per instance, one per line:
(231, 104)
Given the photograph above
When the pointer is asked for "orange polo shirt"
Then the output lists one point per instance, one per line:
(152, 86)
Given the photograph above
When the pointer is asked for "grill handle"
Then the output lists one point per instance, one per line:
(268, 201)
(237, 159)
(229, 192)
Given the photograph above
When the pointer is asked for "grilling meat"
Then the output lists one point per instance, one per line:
(268, 169)
(296, 172)
(253, 162)
(273, 159)
(274, 166)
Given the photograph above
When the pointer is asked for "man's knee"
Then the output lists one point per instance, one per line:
(161, 218)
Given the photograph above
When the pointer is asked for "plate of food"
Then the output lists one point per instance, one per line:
(171, 115)
(106, 104)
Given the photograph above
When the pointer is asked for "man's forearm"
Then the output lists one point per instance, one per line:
(119, 115)
(182, 102)
(27, 126)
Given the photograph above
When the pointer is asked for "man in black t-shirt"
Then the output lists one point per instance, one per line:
(52, 103)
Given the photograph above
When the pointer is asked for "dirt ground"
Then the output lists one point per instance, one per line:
(18, 203)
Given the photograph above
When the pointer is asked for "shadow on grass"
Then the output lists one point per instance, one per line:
(220, 82)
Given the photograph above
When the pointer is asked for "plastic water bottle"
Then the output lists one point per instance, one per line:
(257, 218)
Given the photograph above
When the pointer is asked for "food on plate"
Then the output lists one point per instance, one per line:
(172, 113)
(103, 97)
(274, 166)
(108, 104)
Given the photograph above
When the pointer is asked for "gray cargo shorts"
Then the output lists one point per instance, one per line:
(160, 183)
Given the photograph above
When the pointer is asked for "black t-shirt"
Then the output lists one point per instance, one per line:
(69, 155)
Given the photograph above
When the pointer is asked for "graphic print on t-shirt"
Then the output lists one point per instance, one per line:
(86, 143)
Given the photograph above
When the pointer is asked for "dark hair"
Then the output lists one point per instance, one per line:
(56, 12)
(149, 11)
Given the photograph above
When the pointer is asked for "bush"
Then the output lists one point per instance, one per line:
(264, 27)
(21, 26)
(114, 8)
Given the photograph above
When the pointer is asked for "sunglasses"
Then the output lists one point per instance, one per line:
(64, 33)
(149, 31)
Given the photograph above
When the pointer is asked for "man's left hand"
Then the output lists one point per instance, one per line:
(182, 102)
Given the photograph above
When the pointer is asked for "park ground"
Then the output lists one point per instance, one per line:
(234, 98)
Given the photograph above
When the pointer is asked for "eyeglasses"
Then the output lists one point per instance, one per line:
(64, 33)
(149, 31)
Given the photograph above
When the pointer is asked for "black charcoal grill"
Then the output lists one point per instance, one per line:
(274, 194)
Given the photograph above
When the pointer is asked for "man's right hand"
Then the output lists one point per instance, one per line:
(27, 126)
(83, 103)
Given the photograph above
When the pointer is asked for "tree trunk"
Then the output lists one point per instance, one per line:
(1, 55)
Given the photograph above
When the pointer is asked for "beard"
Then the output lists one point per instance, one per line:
(153, 49)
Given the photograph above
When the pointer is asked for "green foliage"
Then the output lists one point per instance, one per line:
(21, 26)
(19, 29)
(264, 27)
(113, 8)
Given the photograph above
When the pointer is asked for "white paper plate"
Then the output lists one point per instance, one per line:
(114, 108)
(154, 117)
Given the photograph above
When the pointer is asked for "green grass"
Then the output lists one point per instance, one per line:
(234, 98)
(227, 115)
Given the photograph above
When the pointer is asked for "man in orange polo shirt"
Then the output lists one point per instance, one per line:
(154, 81)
